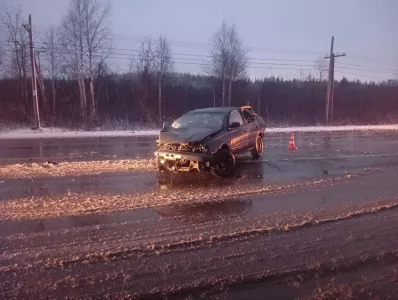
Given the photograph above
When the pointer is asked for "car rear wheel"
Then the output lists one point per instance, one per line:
(257, 151)
(224, 163)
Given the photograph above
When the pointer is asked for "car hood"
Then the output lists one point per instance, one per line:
(190, 135)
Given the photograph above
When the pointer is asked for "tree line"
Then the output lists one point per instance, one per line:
(80, 87)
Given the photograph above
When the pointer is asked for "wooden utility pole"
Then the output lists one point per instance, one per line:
(28, 28)
(330, 91)
(41, 85)
(38, 60)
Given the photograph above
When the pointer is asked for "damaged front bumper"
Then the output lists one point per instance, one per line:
(183, 161)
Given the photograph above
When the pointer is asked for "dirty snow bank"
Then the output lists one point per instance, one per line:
(31, 170)
(333, 128)
(58, 133)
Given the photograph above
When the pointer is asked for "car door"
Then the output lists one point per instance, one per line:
(238, 136)
(251, 127)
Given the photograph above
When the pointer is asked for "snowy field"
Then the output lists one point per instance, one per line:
(57, 133)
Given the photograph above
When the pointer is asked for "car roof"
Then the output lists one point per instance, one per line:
(214, 110)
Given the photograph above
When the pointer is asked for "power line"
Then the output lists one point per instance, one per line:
(251, 65)
(184, 43)
(193, 44)
(204, 55)
(254, 62)
(377, 68)
(208, 64)
(354, 74)
(365, 70)
(373, 69)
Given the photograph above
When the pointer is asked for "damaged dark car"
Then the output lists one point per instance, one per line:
(209, 140)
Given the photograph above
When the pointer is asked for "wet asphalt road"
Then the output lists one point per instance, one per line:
(96, 222)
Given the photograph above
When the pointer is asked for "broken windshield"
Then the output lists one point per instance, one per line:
(199, 120)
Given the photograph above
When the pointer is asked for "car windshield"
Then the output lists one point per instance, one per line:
(199, 120)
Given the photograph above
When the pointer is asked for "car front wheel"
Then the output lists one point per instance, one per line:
(224, 163)
(257, 151)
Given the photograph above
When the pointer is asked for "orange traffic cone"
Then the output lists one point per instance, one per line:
(292, 144)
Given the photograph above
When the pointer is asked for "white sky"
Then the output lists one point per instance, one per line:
(366, 30)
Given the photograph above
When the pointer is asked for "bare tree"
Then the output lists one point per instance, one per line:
(144, 66)
(322, 68)
(18, 60)
(87, 44)
(2, 48)
(228, 59)
(144, 62)
(238, 60)
(52, 52)
(2, 56)
(163, 66)
(220, 58)
(304, 75)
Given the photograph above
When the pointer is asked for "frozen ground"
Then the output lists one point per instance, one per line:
(320, 222)
(57, 133)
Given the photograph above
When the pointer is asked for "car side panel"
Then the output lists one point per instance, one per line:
(238, 139)
(252, 128)
(222, 138)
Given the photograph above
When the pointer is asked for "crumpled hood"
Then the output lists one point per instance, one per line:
(190, 135)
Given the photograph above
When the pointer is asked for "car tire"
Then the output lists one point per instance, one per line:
(258, 150)
(160, 166)
(224, 163)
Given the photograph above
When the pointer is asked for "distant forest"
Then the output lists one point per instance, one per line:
(281, 102)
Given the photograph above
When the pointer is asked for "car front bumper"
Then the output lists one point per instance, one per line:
(178, 155)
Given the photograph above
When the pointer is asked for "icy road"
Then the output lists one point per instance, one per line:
(88, 218)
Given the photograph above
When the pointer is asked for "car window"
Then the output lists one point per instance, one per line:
(248, 116)
(235, 116)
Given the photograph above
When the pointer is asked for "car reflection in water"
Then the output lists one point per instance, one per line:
(246, 169)
(205, 212)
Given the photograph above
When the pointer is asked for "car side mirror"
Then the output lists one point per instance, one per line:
(234, 125)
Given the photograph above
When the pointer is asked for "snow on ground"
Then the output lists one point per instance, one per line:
(34, 170)
(58, 133)
(333, 128)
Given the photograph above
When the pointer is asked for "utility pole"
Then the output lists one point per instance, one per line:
(41, 85)
(38, 60)
(330, 91)
(28, 28)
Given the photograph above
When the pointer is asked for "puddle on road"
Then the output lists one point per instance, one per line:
(188, 213)
(41, 187)
(249, 174)
(213, 210)
(71, 150)
(127, 182)
(205, 212)
(9, 227)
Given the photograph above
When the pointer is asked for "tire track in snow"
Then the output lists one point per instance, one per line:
(194, 242)
(73, 204)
